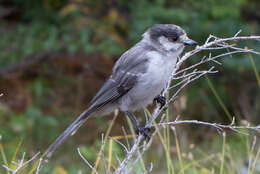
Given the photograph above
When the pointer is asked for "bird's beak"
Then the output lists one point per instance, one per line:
(189, 42)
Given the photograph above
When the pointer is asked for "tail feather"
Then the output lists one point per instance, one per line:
(68, 132)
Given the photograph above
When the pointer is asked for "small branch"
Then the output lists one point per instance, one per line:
(195, 72)
(39, 166)
(86, 161)
(208, 44)
(218, 126)
(237, 33)
(20, 164)
(120, 144)
(129, 155)
(126, 138)
(189, 80)
(150, 170)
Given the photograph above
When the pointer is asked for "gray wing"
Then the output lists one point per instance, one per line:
(124, 76)
(111, 91)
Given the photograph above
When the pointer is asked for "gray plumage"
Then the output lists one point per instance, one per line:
(138, 76)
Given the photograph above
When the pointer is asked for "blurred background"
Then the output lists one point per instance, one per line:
(55, 54)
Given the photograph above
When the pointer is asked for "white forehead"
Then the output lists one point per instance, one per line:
(168, 45)
(184, 36)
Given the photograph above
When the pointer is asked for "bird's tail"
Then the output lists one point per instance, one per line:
(68, 132)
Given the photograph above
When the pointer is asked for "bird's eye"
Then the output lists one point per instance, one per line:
(173, 39)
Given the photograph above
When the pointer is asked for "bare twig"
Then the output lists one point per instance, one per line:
(195, 72)
(218, 126)
(188, 78)
(20, 164)
(126, 138)
(150, 169)
(129, 155)
(39, 166)
(120, 144)
(86, 161)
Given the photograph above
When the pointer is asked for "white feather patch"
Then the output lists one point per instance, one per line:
(169, 45)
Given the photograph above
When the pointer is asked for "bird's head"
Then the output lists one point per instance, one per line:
(168, 36)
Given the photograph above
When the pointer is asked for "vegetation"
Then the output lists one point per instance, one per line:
(54, 55)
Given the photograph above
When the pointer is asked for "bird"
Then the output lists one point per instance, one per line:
(138, 78)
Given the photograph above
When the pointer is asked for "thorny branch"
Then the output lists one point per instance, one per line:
(212, 43)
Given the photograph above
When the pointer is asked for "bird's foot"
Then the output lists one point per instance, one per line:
(144, 131)
(160, 99)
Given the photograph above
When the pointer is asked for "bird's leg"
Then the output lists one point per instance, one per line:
(160, 99)
(139, 129)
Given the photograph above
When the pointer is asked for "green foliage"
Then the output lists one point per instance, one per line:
(105, 29)
(46, 10)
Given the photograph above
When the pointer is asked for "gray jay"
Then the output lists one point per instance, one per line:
(137, 79)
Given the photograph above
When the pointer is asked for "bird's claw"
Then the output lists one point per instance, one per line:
(144, 131)
(160, 99)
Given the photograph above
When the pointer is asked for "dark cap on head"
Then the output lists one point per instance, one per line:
(167, 30)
